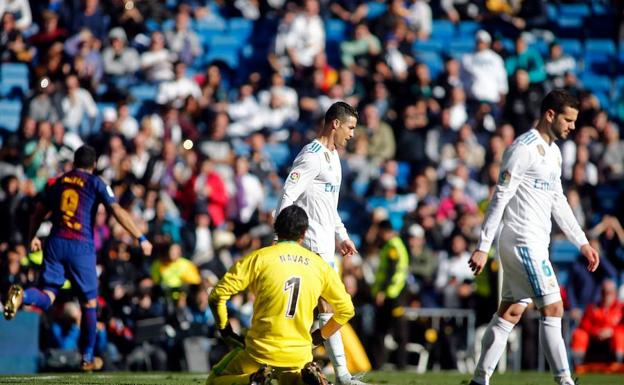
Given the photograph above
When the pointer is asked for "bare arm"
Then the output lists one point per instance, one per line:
(35, 221)
(123, 217)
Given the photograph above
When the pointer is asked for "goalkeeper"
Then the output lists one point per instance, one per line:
(287, 281)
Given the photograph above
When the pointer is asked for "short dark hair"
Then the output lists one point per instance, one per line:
(385, 225)
(557, 100)
(341, 111)
(291, 223)
(84, 157)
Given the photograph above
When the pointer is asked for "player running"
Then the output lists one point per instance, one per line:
(69, 252)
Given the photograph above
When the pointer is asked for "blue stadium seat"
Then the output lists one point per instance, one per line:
(596, 83)
(601, 46)
(375, 9)
(206, 31)
(10, 111)
(468, 28)
(240, 27)
(14, 79)
(574, 10)
(540, 46)
(563, 251)
(403, 174)
(224, 42)
(569, 27)
(442, 29)
(279, 153)
(335, 30)
(572, 47)
(143, 92)
(461, 46)
(432, 60)
(226, 55)
(552, 11)
(431, 45)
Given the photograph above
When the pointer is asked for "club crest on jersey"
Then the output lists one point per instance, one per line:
(541, 150)
(294, 176)
(327, 157)
(504, 178)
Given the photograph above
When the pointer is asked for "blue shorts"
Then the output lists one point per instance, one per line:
(70, 259)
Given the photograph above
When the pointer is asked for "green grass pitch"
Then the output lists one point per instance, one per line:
(395, 378)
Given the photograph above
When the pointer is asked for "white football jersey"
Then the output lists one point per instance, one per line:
(314, 185)
(527, 193)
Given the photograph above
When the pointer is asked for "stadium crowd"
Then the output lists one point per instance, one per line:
(197, 108)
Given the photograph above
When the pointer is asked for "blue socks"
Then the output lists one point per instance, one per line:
(88, 325)
(36, 297)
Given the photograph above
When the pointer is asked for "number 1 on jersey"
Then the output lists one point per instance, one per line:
(292, 285)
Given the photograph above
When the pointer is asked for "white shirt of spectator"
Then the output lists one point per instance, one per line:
(314, 185)
(484, 76)
(306, 37)
(176, 91)
(76, 106)
(528, 192)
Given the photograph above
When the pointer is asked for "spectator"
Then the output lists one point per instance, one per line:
(483, 72)
(20, 9)
(181, 40)
(522, 104)
(419, 18)
(120, 61)
(176, 91)
(157, 61)
(601, 324)
(91, 17)
(13, 47)
(356, 54)
(306, 36)
(381, 144)
(583, 288)
(528, 59)
(558, 64)
(172, 272)
(77, 105)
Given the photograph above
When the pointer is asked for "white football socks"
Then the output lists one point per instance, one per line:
(492, 347)
(335, 349)
(554, 349)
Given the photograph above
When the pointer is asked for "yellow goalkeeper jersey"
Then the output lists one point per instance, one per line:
(287, 280)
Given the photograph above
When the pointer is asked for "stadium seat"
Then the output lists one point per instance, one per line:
(240, 27)
(206, 31)
(442, 29)
(569, 27)
(432, 60)
(143, 92)
(540, 46)
(460, 46)
(603, 46)
(431, 45)
(574, 10)
(376, 9)
(468, 28)
(563, 251)
(552, 11)
(14, 80)
(335, 30)
(572, 47)
(279, 153)
(10, 111)
(596, 83)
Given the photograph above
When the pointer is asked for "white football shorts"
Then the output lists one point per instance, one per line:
(527, 272)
